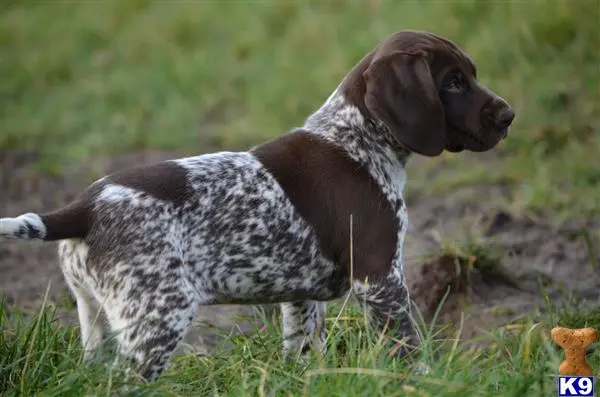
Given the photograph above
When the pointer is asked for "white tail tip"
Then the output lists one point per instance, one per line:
(26, 226)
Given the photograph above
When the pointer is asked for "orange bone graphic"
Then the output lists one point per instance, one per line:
(574, 342)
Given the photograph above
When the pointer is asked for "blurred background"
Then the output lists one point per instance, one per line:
(93, 86)
(81, 80)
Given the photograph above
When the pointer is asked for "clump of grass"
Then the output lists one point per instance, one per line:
(474, 259)
(39, 355)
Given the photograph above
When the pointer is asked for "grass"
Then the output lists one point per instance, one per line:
(84, 80)
(39, 357)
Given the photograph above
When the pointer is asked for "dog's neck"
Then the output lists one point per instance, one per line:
(366, 141)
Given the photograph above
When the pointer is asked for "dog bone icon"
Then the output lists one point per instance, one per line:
(574, 342)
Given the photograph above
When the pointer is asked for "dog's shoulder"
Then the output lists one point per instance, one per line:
(328, 188)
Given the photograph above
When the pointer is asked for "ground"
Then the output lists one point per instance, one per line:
(512, 236)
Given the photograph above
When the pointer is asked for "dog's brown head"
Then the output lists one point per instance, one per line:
(425, 90)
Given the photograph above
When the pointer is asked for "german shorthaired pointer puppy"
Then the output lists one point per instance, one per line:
(148, 245)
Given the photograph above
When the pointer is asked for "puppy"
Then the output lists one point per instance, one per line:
(298, 220)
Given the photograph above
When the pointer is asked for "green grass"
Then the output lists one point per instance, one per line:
(88, 79)
(39, 357)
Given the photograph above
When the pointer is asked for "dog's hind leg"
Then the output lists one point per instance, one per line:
(152, 314)
(90, 322)
(72, 257)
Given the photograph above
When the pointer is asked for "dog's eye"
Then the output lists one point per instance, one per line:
(455, 83)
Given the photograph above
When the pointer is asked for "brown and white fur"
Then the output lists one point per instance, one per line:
(147, 246)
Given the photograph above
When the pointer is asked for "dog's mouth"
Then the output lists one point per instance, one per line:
(477, 141)
(454, 148)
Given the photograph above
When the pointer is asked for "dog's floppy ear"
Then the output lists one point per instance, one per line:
(400, 91)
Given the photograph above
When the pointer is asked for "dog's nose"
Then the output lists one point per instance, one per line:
(505, 118)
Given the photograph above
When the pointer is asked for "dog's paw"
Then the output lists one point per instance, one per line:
(422, 369)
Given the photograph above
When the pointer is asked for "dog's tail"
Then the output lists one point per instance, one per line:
(68, 222)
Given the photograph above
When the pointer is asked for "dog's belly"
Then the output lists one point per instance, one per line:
(266, 271)
(272, 283)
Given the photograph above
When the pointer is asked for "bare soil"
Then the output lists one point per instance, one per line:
(517, 261)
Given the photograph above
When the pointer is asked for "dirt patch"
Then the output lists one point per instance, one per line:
(517, 262)
(525, 258)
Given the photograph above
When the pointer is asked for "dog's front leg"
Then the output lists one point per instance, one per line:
(303, 327)
(387, 303)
